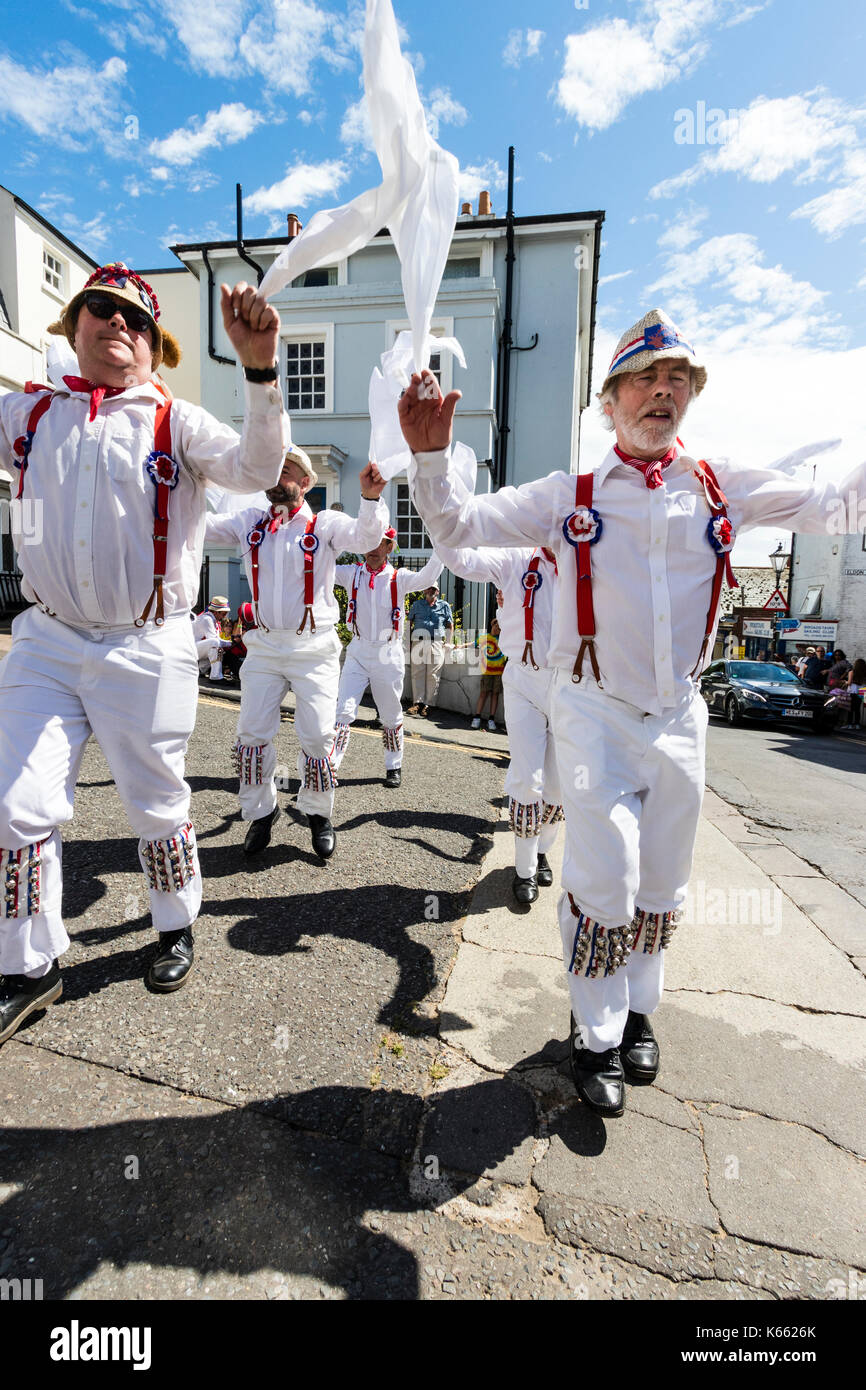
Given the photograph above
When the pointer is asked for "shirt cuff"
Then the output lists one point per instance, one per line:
(434, 463)
(260, 397)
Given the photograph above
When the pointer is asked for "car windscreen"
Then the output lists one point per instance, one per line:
(759, 671)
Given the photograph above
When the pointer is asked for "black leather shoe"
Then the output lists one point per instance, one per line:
(393, 777)
(640, 1051)
(324, 839)
(525, 890)
(598, 1077)
(172, 963)
(259, 833)
(544, 873)
(20, 997)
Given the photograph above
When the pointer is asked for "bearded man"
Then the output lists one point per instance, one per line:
(376, 656)
(290, 557)
(117, 471)
(642, 544)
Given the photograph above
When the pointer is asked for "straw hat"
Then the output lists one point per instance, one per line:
(651, 339)
(218, 604)
(117, 281)
(297, 455)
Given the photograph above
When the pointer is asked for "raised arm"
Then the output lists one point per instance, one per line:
(480, 567)
(364, 532)
(411, 581)
(227, 528)
(453, 515)
(768, 497)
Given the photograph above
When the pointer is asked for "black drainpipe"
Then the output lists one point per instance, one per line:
(215, 356)
(505, 343)
(240, 239)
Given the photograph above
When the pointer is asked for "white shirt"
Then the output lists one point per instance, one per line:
(281, 559)
(205, 628)
(373, 617)
(84, 533)
(505, 569)
(652, 568)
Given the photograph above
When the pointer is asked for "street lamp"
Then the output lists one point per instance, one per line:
(778, 559)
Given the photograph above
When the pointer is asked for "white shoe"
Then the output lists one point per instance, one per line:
(476, 723)
(491, 725)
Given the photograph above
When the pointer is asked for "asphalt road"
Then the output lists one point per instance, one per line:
(810, 789)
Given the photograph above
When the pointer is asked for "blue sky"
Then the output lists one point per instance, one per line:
(723, 139)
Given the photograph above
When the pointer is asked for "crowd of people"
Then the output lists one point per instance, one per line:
(608, 585)
(842, 680)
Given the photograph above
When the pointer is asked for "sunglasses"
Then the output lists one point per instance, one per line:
(101, 307)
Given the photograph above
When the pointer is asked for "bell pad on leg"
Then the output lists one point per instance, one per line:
(171, 863)
(525, 818)
(248, 763)
(22, 880)
(597, 951)
(653, 930)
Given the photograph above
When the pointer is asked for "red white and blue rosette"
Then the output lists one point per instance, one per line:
(350, 611)
(21, 448)
(162, 469)
(395, 616)
(256, 536)
(584, 525)
(309, 542)
(721, 534)
(532, 580)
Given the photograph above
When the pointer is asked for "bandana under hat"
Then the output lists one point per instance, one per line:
(651, 339)
(117, 281)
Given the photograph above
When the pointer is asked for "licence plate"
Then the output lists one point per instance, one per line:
(797, 713)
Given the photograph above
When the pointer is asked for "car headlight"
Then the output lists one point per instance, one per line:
(755, 697)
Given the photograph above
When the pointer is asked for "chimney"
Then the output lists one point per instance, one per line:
(485, 207)
(465, 209)
(294, 224)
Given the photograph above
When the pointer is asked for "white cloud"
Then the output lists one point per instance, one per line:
(72, 105)
(442, 109)
(845, 205)
(609, 279)
(474, 178)
(209, 36)
(773, 136)
(302, 184)
(545, 158)
(161, 172)
(609, 65)
(520, 45)
(684, 230)
(231, 123)
(355, 128)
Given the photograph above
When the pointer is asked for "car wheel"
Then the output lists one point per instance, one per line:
(732, 711)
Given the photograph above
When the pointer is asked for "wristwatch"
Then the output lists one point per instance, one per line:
(261, 374)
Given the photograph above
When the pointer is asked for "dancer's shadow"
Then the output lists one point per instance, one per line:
(241, 1192)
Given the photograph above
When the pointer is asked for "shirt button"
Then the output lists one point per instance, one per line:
(661, 617)
(85, 584)
(82, 542)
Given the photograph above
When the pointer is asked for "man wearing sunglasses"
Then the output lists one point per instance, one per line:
(114, 472)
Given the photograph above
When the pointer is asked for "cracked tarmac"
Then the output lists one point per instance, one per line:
(362, 1091)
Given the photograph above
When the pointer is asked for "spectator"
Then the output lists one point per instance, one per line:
(491, 678)
(432, 625)
(856, 688)
(802, 659)
(837, 676)
(813, 670)
(233, 658)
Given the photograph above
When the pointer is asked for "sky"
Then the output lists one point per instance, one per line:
(724, 140)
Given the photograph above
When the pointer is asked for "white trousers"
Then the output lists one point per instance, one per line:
(311, 666)
(532, 779)
(427, 657)
(382, 666)
(632, 787)
(135, 690)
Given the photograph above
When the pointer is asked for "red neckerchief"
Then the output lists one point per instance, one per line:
(279, 516)
(373, 573)
(97, 393)
(652, 469)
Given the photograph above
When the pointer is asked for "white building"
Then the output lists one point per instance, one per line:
(40, 269)
(338, 322)
(829, 590)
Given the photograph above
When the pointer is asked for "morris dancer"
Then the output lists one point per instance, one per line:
(290, 558)
(643, 542)
(117, 470)
(376, 656)
(528, 581)
(210, 643)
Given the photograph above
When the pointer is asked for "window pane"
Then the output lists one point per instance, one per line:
(462, 268)
(319, 402)
(306, 351)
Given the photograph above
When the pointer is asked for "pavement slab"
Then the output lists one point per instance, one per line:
(840, 917)
(741, 934)
(496, 921)
(756, 1055)
(784, 1186)
(596, 1162)
(502, 1007)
